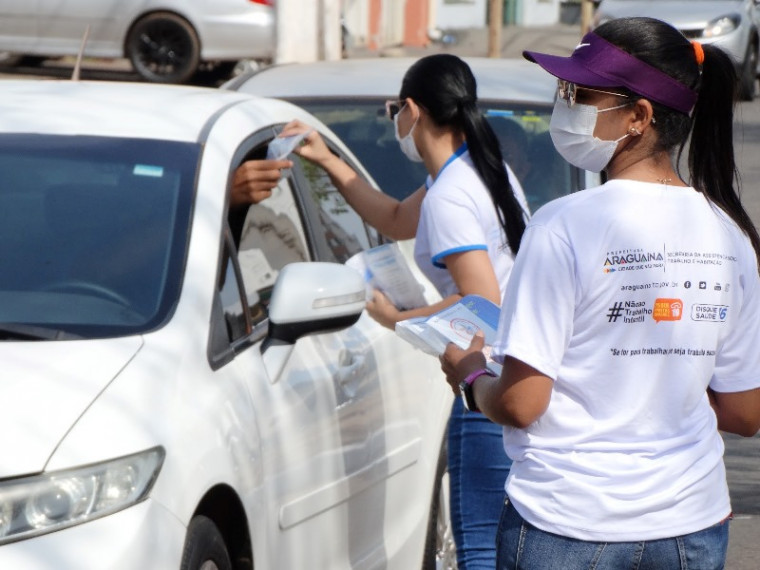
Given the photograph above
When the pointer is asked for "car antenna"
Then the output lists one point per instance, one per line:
(78, 64)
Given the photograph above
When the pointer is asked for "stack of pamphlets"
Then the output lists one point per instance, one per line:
(458, 324)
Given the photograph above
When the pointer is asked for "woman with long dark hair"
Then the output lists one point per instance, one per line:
(468, 220)
(630, 329)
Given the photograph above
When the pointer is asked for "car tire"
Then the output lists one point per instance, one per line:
(440, 550)
(748, 78)
(163, 48)
(204, 547)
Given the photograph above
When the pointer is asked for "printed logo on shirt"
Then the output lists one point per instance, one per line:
(667, 310)
(632, 260)
(629, 311)
(705, 286)
(709, 313)
(699, 257)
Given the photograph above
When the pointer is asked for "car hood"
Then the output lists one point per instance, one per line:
(45, 387)
(682, 14)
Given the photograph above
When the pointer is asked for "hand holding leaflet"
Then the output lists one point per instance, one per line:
(385, 268)
(458, 324)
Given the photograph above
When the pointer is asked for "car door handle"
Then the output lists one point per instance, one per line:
(351, 370)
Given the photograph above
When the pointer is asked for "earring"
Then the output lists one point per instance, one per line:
(634, 131)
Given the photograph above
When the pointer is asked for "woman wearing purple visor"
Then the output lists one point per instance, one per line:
(630, 327)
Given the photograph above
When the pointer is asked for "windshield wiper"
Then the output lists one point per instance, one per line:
(19, 331)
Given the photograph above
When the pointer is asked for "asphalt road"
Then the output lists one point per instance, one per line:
(742, 455)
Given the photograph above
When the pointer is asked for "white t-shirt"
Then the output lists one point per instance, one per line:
(634, 298)
(458, 214)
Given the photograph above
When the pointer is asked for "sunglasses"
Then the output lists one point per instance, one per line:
(393, 108)
(568, 91)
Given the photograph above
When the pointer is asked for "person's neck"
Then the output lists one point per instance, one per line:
(656, 168)
(443, 145)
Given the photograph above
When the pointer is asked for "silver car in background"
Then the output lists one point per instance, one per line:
(730, 24)
(166, 41)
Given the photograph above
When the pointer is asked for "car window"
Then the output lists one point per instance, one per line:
(93, 231)
(528, 149)
(237, 325)
(522, 129)
(268, 236)
(305, 219)
(362, 125)
(338, 230)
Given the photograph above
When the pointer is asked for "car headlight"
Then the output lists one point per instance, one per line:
(722, 26)
(35, 505)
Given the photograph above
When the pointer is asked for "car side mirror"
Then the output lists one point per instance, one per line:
(310, 297)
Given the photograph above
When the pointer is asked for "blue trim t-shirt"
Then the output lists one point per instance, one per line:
(458, 214)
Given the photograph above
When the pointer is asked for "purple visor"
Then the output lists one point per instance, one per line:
(595, 62)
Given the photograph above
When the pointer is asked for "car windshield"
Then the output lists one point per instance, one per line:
(523, 132)
(93, 233)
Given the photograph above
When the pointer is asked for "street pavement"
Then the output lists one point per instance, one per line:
(742, 455)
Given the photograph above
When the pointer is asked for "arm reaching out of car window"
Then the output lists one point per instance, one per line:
(254, 180)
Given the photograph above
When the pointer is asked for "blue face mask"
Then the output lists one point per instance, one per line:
(572, 132)
(407, 143)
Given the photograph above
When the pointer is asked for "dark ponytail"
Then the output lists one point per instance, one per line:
(712, 166)
(445, 87)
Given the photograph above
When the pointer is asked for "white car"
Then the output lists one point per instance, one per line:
(165, 40)
(732, 25)
(191, 385)
(516, 96)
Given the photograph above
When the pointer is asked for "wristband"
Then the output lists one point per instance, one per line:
(472, 376)
(465, 386)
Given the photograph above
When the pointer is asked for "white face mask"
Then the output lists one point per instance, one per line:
(572, 132)
(407, 143)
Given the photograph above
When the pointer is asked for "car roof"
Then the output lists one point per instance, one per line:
(123, 109)
(499, 79)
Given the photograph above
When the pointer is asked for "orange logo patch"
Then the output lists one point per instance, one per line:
(667, 310)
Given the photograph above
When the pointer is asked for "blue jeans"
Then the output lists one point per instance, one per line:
(478, 469)
(522, 546)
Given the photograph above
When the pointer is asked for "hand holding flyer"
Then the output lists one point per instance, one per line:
(385, 268)
(458, 324)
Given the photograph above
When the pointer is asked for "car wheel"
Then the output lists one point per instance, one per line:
(440, 550)
(748, 79)
(163, 48)
(204, 547)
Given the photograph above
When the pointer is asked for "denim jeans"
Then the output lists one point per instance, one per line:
(522, 546)
(478, 469)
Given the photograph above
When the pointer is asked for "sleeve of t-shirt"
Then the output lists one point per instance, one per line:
(737, 362)
(539, 303)
(453, 225)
